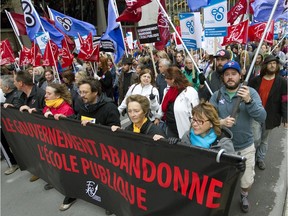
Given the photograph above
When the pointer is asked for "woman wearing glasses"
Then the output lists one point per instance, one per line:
(205, 130)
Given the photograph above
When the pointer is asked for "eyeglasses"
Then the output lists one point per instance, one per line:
(198, 122)
(83, 93)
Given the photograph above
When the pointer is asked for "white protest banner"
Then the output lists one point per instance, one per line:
(42, 39)
(215, 19)
(191, 29)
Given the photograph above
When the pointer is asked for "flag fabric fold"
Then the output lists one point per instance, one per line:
(262, 10)
(240, 8)
(236, 33)
(137, 3)
(114, 33)
(6, 53)
(51, 53)
(256, 31)
(196, 4)
(129, 15)
(70, 25)
(31, 18)
(25, 56)
(54, 34)
(87, 52)
(163, 26)
(18, 22)
(36, 55)
(66, 56)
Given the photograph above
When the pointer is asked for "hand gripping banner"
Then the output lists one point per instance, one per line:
(127, 173)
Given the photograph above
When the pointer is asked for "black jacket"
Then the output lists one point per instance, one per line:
(13, 98)
(105, 112)
(36, 98)
(215, 82)
(148, 128)
(276, 106)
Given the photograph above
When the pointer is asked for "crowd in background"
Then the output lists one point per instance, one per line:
(164, 95)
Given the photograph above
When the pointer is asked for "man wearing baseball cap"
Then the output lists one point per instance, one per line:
(272, 89)
(214, 79)
(250, 108)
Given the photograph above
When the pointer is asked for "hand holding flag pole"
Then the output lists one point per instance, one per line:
(187, 51)
(238, 101)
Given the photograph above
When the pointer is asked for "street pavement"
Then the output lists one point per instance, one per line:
(19, 197)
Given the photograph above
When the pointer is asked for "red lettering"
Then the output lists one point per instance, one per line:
(40, 152)
(140, 198)
(65, 166)
(181, 181)
(134, 165)
(160, 175)
(213, 194)
(200, 188)
(8, 125)
(102, 174)
(85, 165)
(73, 164)
(124, 161)
(120, 186)
(114, 156)
(104, 152)
(148, 165)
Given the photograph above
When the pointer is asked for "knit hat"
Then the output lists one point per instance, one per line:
(232, 64)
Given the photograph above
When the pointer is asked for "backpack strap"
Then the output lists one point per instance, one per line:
(149, 127)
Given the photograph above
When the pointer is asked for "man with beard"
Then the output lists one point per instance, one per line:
(214, 80)
(272, 89)
(96, 108)
(250, 108)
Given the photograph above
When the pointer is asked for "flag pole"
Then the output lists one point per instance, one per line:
(236, 105)
(278, 43)
(176, 32)
(117, 13)
(14, 28)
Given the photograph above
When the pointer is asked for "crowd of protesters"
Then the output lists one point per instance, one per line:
(166, 97)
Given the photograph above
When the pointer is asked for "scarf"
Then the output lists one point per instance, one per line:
(170, 97)
(204, 142)
(138, 129)
(54, 103)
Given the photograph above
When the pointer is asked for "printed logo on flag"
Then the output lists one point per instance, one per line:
(217, 13)
(30, 20)
(65, 22)
(190, 26)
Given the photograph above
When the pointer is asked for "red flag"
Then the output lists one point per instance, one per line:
(129, 15)
(86, 47)
(67, 57)
(163, 25)
(94, 55)
(18, 22)
(36, 55)
(134, 4)
(236, 34)
(25, 56)
(51, 53)
(6, 53)
(238, 9)
(256, 31)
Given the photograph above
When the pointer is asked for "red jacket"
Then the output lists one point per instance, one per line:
(64, 109)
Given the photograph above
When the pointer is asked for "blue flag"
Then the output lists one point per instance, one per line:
(263, 8)
(54, 34)
(70, 25)
(113, 32)
(31, 17)
(196, 4)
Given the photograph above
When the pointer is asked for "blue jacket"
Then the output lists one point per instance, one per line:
(242, 130)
